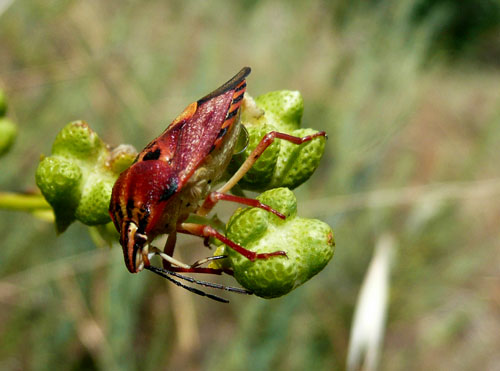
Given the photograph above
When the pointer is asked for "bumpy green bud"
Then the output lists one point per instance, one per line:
(78, 177)
(121, 157)
(284, 108)
(8, 134)
(59, 180)
(308, 243)
(96, 194)
(79, 141)
(283, 164)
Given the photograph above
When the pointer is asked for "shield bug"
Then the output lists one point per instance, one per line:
(175, 173)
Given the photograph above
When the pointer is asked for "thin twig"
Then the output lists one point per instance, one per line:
(402, 196)
(22, 202)
(184, 311)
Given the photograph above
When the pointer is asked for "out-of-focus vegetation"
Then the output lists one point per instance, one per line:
(412, 153)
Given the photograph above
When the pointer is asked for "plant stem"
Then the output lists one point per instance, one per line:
(22, 202)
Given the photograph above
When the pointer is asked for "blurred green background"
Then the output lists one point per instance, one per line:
(408, 92)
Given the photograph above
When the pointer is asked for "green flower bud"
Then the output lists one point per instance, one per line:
(79, 141)
(122, 157)
(96, 194)
(77, 179)
(8, 134)
(284, 108)
(308, 243)
(283, 164)
(59, 180)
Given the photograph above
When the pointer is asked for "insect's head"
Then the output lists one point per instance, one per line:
(134, 246)
(138, 205)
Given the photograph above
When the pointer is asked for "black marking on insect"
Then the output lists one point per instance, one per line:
(169, 190)
(241, 87)
(130, 207)
(152, 155)
(222, 132)
(231, 114)
(238, 98)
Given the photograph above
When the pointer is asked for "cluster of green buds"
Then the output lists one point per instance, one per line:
(8, 130)
(308, 243)
(77, 179)
(283, 164)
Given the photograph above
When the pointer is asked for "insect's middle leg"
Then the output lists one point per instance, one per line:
(208, 231)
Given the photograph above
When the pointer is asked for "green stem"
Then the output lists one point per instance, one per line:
(22, 202)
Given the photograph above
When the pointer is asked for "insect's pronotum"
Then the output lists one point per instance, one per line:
(175, 173)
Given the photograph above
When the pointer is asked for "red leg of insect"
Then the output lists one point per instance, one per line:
(169, 248)
(214, 197)
(208, 231)
(257, 152)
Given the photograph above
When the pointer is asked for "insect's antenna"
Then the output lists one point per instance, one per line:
(189, 288)
(199, 282)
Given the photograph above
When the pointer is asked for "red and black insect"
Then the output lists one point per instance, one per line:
(175, 172)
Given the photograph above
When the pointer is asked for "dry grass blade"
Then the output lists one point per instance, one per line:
(368, 326)
(404, 196)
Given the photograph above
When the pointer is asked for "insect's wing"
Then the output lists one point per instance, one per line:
(215, 115)
(205, 131)
(199, 129)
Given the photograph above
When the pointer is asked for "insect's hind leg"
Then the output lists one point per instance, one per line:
(208, 231)
(249, 162)
(216, 196)
(261, 147)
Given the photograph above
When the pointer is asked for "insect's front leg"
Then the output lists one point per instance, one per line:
(168, 249)
(208, 231)
(173, 265)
